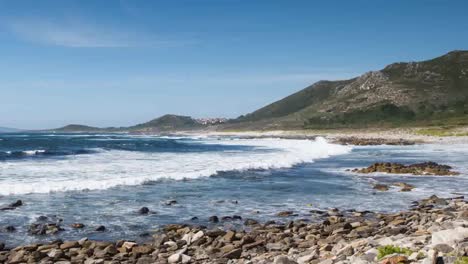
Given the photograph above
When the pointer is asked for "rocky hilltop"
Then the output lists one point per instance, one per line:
(423, 92)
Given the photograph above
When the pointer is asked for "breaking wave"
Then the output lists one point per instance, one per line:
(110, 168)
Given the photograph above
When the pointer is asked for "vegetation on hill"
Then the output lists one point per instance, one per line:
(432, 92)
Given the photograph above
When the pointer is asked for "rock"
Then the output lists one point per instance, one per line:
(18, 203)
(394, 259)
(233, 254)
(229, 236)
(55, 254)
(213, 219)
(143, 210)
(170, 202)
(372, 141)
(144, 249)
(69, 244)
(285, 213)
(425, 168)
(197, 236)
(307, 258)
(404, 186)
(2, 246)
(249, 221)
(77, 225)
(10, 229)
(449, 236)
(283, 260)
(175, 258)
(100, 228)
(444, 248)
(381, 187)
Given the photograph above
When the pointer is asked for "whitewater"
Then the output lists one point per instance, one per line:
(103, 168)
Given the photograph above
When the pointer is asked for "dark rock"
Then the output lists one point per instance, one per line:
(42, 218)
(236, 217)
(213, 219)
(143, 210)
(194, 218)
(100, 228)
(372, 141)
(233, 254)
(18, 203)
(10, 228)
(170, 202)
(226, 218)
(425, 168)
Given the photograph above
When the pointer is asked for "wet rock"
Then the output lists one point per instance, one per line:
(381, 187)
(44, 229)
(77, 225)
(249, 222)
(213, 219)
(170, 202)
(405, 187)
(42, 218)
(236, 217)
(10, 229)
(18, 203)
(100, 228)
(285, 213)
(143, 210)
(372, 141)
(425, 168)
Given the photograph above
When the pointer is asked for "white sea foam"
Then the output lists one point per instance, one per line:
(108, 169)
(33, 152)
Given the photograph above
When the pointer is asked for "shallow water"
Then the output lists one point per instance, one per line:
(105, 179)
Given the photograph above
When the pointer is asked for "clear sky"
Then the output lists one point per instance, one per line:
(117, 63)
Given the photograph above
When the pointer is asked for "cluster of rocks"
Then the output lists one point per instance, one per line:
(433, 230)
(404, 187)
(372, 141)
(425, 168)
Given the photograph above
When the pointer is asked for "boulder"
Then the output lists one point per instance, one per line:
(449, 236)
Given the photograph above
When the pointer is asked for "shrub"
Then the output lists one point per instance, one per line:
(388, 250)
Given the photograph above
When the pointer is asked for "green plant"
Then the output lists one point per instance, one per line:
(461, 260)
(389, 249)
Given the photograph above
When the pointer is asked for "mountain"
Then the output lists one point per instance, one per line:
(408, 93)
(8, 130)
(77, 128)
(168, 123)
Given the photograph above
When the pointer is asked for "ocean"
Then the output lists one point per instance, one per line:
(104, 179)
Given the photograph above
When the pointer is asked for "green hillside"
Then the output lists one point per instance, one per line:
(422, 93)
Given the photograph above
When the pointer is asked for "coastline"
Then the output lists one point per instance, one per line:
(406, 134)
(294, 240)
(433, 229)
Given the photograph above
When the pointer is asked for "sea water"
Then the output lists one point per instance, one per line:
(104, 179)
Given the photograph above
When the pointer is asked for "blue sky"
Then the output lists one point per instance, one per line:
(117, 63)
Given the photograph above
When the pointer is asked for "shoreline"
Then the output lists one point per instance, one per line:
(430, 227)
